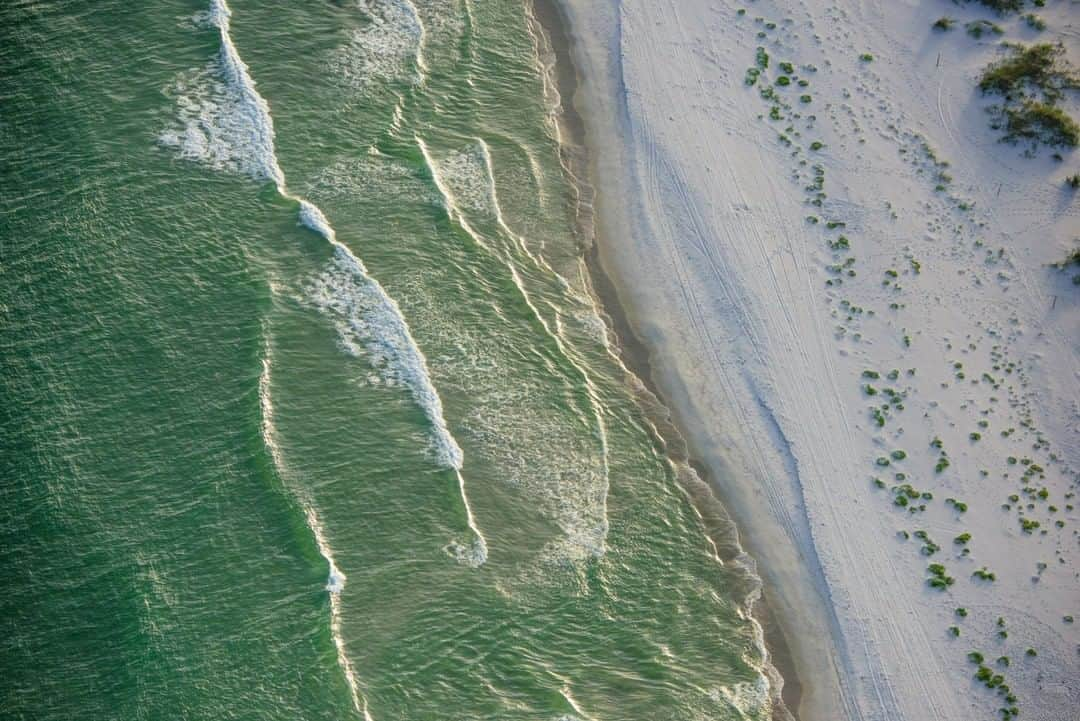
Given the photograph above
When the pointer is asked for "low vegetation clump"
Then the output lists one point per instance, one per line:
(938, 578)
(1030, 67)
(1035, 22)
(1038, 122)
(944, 23)
(1031, 81)
(978, 28)
(1003, 6)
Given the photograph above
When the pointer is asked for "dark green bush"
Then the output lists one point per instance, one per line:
(1038, 122)
(1030, 67)
(1002, 6)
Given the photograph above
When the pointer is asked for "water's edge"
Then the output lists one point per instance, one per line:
(636, 355)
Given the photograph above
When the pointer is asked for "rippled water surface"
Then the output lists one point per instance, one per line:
(306, 409)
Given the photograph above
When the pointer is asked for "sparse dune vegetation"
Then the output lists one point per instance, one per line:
(904, 267)
(1031, 81)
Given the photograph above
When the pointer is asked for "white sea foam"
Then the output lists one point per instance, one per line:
(335, 580)
(267, 406)
(228, 124)
(463, 179)
(313, 218)
(749, 700)
(387, 47)
(223, 121)
(366, 317)
(466, 182)
(335, 584)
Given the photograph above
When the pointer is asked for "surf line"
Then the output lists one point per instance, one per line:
(449, 453)
(457, 215)
(335, 582)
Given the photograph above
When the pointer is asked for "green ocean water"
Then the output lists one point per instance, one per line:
(306, 409)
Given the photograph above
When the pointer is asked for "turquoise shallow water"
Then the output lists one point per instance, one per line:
(306, 408)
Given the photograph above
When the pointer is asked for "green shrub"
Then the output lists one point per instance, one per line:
(975, 657)
(1030, 68)
(1038, 122)
(1003, 6)
(978, 28)
(944, 23)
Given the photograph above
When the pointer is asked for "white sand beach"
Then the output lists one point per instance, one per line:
(912, 315)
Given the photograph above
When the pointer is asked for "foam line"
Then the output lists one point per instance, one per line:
(388, 314)
(259, 141)
(456, 214)
(335, 581)
(335, 584)
(261, 127)
(421, 63)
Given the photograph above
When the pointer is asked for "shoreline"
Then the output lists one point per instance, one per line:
(634, 353)
(759, 324)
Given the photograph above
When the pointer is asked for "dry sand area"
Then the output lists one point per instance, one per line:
(845, 282)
